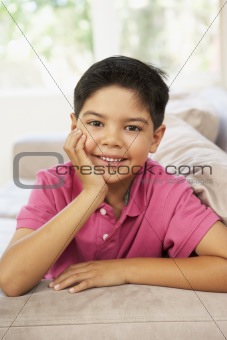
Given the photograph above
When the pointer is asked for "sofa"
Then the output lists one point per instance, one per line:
(194, 146)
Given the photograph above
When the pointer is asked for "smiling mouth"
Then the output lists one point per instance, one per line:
(109, 159)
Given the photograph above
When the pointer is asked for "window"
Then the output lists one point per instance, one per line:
(60, 33)
(69, 35)
(166, 32)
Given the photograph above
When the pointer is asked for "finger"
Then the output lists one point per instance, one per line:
(72, 134)
(86, 284)
(75, 149)
(71, 280)
(61, 279)
(79, 267)
(72, 141)
(79, 148)
(68, 275)
(76, 136)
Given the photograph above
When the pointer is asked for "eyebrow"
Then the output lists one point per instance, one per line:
(136, 119)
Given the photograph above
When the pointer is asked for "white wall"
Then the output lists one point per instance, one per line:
(223, 42)
(104, 29)
(43, 112)
(26, 114)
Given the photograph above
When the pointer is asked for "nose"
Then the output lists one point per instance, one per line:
(112, 137)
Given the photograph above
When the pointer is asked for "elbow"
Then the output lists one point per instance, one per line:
(15, 289)
(11, 291)
(6, 283)
(9, 288)
(11, 284)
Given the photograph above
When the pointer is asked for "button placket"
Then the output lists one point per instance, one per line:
(105, 236)
(102, 211)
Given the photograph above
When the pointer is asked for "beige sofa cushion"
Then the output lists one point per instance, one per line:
(121, 312)
(185, 151)
(38, 151)
(196, 110)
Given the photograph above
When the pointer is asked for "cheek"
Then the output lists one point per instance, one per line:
(93, 138)
(142, 143)
(89, 144)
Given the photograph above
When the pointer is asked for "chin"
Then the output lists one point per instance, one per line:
(112, 179)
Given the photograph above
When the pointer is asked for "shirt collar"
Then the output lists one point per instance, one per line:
(137, 194)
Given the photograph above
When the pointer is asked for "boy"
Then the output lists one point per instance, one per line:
(117, 213)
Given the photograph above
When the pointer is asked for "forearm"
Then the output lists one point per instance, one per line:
(27, 260)
(206, 273)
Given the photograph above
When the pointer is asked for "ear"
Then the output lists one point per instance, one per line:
(73, 121)
(157, 137)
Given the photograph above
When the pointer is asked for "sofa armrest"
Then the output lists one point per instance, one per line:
(35, 152)
(118, 312)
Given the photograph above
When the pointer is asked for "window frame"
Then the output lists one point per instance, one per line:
(106, 43)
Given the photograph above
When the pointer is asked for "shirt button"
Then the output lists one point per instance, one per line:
(103, 211)
(105, 236)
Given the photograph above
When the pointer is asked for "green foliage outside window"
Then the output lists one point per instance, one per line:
(165, 32)
(58, 30)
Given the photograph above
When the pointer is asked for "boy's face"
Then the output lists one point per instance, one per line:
(119, 132)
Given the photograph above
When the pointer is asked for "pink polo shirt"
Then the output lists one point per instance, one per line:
(162, 217)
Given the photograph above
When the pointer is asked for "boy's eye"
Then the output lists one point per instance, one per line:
(133, 128)
(95, 123)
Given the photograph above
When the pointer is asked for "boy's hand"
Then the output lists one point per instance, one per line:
(92, 274)
(74, 147)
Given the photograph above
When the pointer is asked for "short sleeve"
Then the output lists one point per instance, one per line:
(41, 205)
(185, 221)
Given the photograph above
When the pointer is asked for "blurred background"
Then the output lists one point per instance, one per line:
(45, 46)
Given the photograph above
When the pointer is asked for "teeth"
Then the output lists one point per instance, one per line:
(111, 159)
